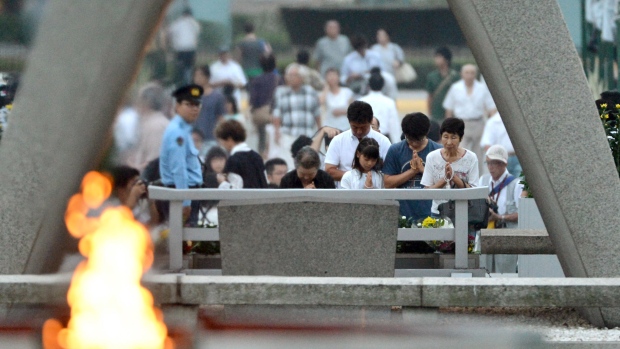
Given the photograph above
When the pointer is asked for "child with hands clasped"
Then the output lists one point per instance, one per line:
(367, 164)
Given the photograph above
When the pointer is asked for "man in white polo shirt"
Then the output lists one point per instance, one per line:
(470, 100)
(339, 157)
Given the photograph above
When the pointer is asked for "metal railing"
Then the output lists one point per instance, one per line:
(458, 234)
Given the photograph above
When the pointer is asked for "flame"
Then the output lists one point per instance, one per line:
(109, 307)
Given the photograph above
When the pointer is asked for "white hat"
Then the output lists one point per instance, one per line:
(497, 152)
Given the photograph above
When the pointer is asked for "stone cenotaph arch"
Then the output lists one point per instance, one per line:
(84, 57)
(532, 68)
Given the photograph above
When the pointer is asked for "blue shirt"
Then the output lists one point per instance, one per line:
(397, 162)
(178, 159)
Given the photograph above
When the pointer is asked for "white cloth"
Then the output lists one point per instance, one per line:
(389, 53)
(232, 71)
(487, 181)
(337, 101)
(495, 133)
(126, 129)
(468, 107)
(352, 180)
(342, 149)
(240, 148)
(354, 63)
(184, 33)
(384, 109)
(466, 168)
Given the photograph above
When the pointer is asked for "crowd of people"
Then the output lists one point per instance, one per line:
(333, 127)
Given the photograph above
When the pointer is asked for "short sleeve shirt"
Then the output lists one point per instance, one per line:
(396, 162)
(355, 180)
(433, 80)
(466, 168)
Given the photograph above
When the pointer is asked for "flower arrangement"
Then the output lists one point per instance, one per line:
(611, 123)
(443, 246)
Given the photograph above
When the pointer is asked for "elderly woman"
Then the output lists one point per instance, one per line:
(307, 173)
(452, 166)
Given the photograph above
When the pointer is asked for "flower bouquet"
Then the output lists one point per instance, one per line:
(439, 245)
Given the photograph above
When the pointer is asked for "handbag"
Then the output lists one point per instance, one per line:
(405, 73)
(261, 115)
(477, 212)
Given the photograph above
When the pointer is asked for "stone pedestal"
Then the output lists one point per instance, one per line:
(308, 237)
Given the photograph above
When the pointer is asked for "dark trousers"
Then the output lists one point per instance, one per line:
(164, 208)
(183, 67)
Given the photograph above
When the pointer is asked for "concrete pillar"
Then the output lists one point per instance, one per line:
(84, 57)
(532, 68)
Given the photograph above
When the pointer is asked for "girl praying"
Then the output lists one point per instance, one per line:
(367, 164)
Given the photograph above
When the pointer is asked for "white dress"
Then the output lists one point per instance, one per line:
(337, 101)
(466, 168)
(352, 180)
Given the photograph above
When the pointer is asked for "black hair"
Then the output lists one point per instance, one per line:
(415, 126)
(205, 70)
(453, 126)
(230, 129)
(197, 131)
(358, 42)
(271, 164)
(214, 153)
(445, 53)
(370, 149)
(232, 100)
(299, 143)
(268, 63)
(187, 12)
(248, 28)
(360, 112)
(228, 90)
(303, 57)
(376, 81)
(121, 175)
(307, 158)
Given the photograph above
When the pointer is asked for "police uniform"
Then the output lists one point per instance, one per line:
(179, 165)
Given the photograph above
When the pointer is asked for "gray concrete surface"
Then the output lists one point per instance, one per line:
(530, 63)
(515, 241)
(308, 237)
(84, 57)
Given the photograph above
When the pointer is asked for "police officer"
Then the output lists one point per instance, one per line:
(179, 164)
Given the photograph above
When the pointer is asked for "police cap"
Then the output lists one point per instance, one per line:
(190, 93)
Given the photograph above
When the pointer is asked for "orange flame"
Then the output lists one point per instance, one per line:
(109, 307)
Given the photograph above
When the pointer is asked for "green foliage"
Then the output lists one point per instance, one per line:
(526, 186)
(212, 36)
(610, 117)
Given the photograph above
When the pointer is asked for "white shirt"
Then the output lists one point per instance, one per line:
(337, 101)
(468, 107)
(352, 180)
(354, 63)
(466, 168)
(495, 133)
(232, 71)
(342, 149)
(384, 109)
(487, 180)
(389, 53)
(184, 34)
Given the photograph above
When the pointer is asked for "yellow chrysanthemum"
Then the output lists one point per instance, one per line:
(604, 105)
(9, 106)
(429, 222)
(617, 106)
